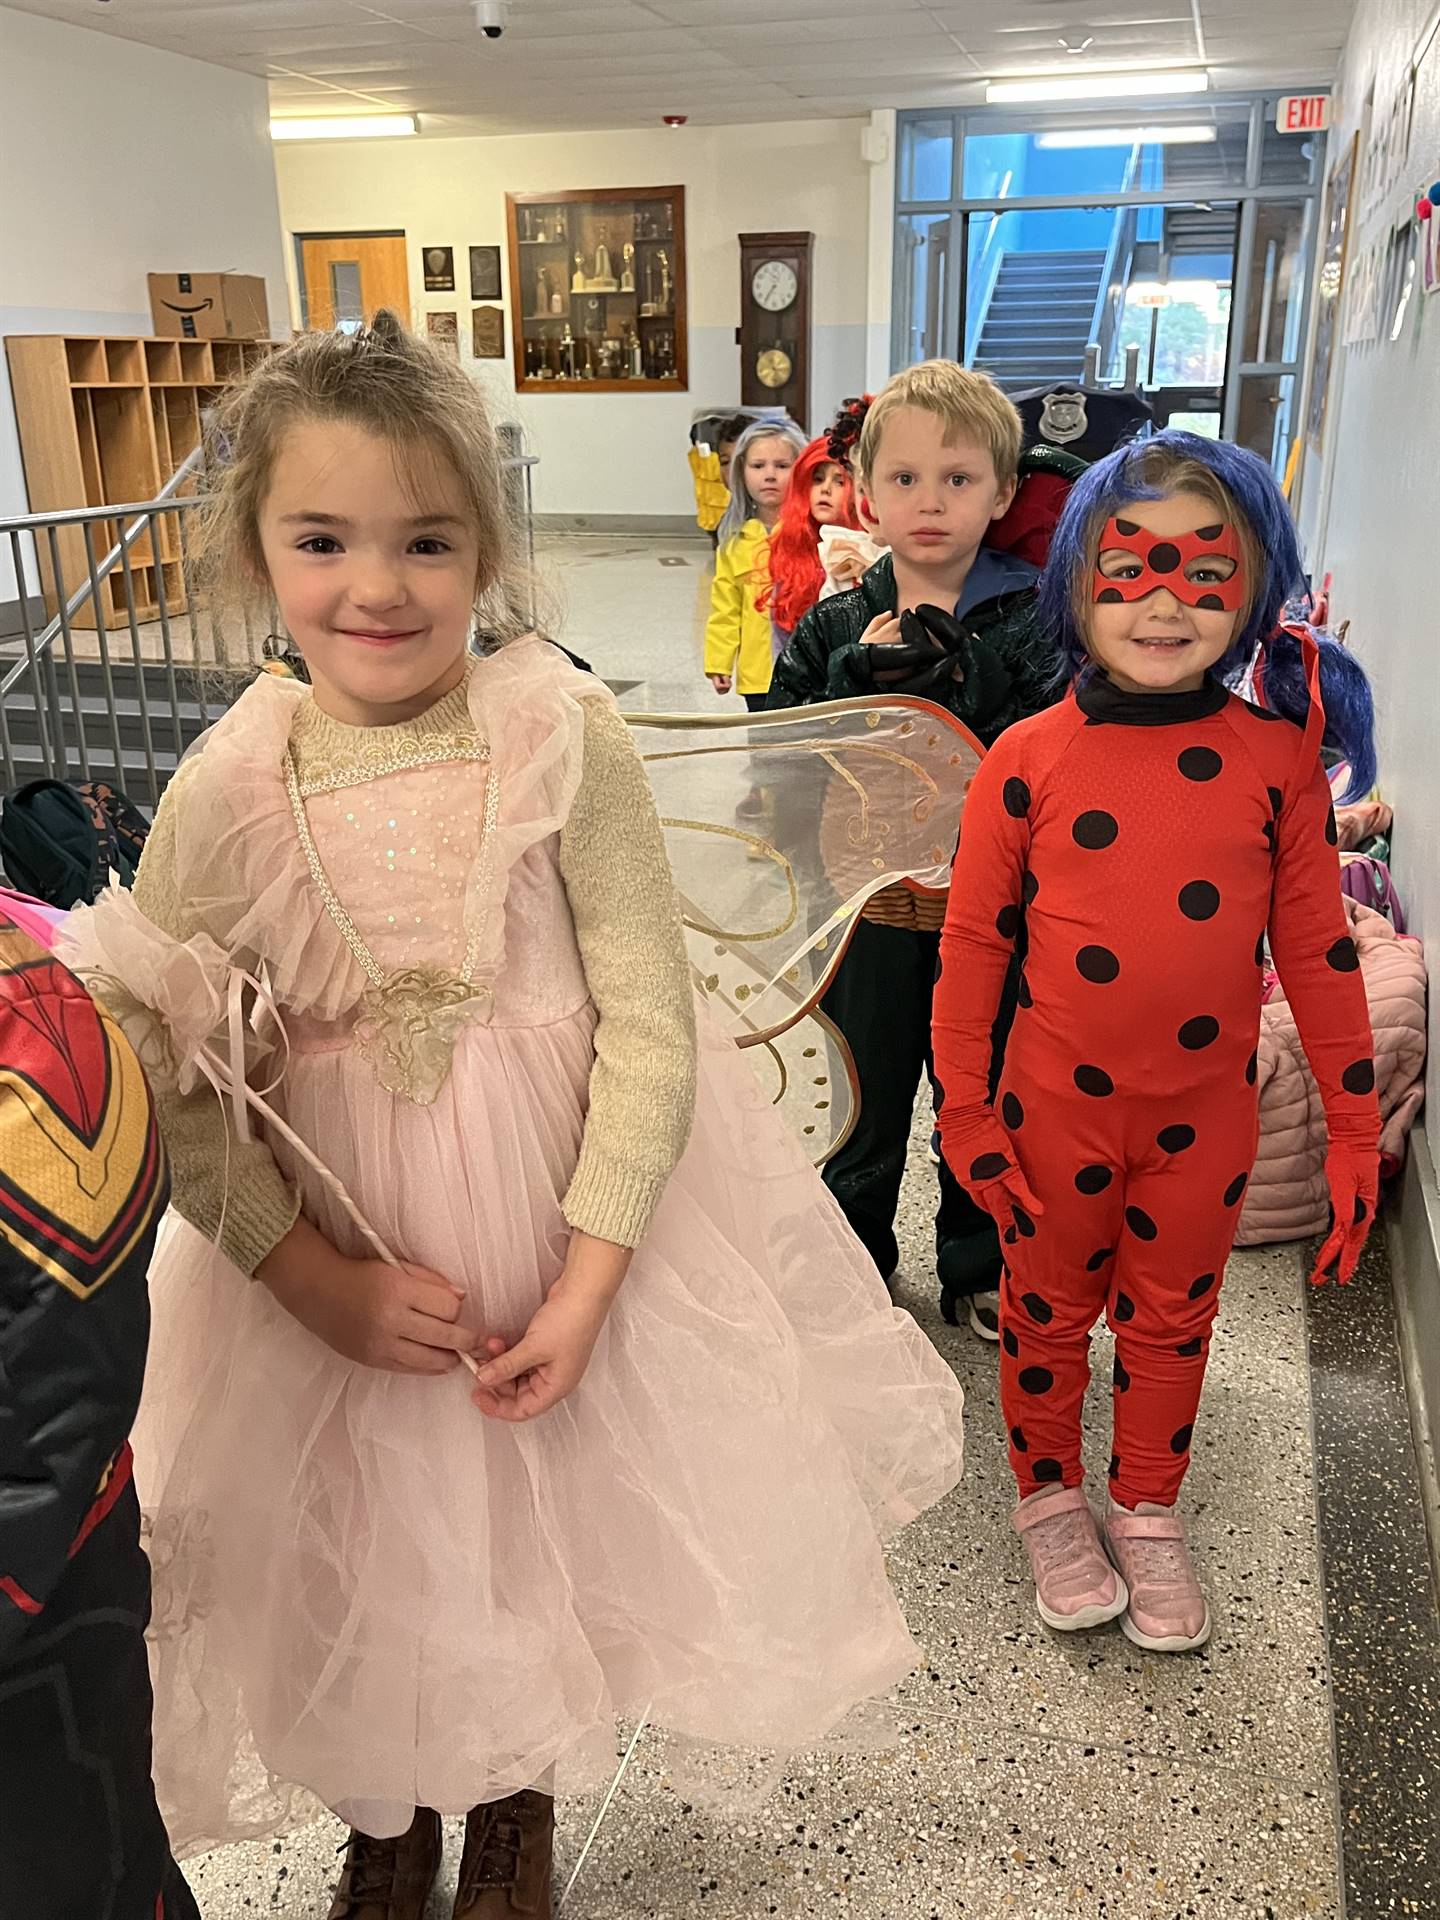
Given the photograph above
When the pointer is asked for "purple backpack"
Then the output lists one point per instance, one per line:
(1368, 881)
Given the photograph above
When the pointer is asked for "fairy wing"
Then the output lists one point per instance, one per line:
(780, 826)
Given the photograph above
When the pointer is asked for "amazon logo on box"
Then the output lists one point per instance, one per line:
(209, 306)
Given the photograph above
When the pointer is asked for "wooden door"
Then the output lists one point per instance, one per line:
(348, 277)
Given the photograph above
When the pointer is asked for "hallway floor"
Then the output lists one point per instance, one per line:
(1291, 1769)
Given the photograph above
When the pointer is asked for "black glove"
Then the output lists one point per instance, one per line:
(936, 625)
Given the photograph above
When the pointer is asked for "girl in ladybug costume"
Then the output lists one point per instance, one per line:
(1139, 840)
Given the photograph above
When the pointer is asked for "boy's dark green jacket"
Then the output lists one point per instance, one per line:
(1009, 669)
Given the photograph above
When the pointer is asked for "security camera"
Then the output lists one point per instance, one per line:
(491, 16)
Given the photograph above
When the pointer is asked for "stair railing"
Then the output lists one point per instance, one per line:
(1119, 261)
(981, 285)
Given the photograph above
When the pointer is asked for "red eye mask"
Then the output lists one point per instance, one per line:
(1164, 564)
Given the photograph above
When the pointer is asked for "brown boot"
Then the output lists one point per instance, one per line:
(505, 1870)
(390, 1879)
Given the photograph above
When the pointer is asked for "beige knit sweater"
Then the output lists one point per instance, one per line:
(642, 1086)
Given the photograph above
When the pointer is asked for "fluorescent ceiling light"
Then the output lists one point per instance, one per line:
(1094, 86)
(375, 126)
(1129, 137)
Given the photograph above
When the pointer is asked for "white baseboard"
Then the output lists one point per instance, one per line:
(1414, 1245)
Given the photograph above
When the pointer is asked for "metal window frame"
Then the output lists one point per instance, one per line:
(966, 121)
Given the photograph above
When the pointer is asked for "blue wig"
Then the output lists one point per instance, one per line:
(1146, 470)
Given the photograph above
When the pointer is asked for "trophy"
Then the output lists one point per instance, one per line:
(557, 302)
(647, 310)
(577, 279)
(627, 276)
(666, 288)
(604, 280)
(542, 292)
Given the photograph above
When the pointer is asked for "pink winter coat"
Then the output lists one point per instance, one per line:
(1287, 1197)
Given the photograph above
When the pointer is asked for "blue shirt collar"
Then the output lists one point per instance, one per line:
(993, 574)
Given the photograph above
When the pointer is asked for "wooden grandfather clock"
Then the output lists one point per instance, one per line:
(774, 330)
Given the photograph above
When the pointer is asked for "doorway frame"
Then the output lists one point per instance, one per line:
(297, 242)
(1248, 195)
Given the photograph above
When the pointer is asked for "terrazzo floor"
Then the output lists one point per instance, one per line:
(1036, 1775)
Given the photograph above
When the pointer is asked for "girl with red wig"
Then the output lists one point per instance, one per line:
(821, 493)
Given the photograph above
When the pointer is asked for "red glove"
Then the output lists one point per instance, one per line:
(990, 1176)
(1353, 1174)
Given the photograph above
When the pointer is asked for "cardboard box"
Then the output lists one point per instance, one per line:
(209, 306)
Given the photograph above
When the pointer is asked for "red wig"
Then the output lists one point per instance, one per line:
(796, 575)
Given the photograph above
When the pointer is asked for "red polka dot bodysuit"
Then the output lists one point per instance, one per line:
(1144, 843)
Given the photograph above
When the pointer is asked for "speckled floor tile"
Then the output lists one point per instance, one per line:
(962, 1823)
(1384, 1635)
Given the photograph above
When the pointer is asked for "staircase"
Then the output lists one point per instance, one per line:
(132, 775)
(1040, 318)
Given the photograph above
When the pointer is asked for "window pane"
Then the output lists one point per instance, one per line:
(922, 270)
(1265, 422)
(927, 159)
(1187, 149)
(1034, 281)
(345, 299)
(1279, 273)
(1288, 159)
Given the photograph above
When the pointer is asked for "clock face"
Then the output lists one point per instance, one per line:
(774, 367)
(774, 285)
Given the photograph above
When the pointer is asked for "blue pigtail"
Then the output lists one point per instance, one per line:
(1345, 693)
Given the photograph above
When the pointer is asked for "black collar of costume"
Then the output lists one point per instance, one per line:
(1104, 704)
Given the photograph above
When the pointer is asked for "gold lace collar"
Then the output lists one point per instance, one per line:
(328, 754)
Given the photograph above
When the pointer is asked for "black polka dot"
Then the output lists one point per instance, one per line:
(939, 967)
(1007, 922)
(1098, 1259)
(1018, 1440)
(1094, 1081)
(1332, 830)
(1093, 1179)
(1343, 957)
(1035, 1380)
(1121, 1377)
(1126, 526)
(989, 1166)
(1124, 1308)
(1029, 887)
(1268, 830)
(1109, 597)
(1199, 900)
(1024, 1225)
(1180, 1440)
(1040, 1311)
(1359, 1078)
(1189, 1348)
(1023, 994)
(1164, 557)
(1199, 1288)
(1277, 800)
(1140, 1223)
(1362, 1209)
(1012, 1113)
(1010, 1343)
(1236, 1187)
(1175, 1139)
(1210, 533)
(1097, 964)
(1200, 763)
(1260, 951)
(1017, 798)
(1252, 1069)
(1114, 1466)
(1096, 830)
(1210, 603)
(1201, 1032)
(1010, 1236)
(1047, 1472)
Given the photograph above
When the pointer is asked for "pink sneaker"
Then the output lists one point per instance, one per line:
(1167, 1612)
(1075, 1585)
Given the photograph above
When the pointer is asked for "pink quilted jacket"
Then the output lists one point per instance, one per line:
(1287, 1198)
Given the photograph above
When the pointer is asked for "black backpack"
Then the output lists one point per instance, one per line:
(60, 842)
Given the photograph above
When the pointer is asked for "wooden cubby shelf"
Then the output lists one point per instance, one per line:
(108, 420)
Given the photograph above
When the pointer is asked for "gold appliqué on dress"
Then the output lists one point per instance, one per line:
(410, 1019)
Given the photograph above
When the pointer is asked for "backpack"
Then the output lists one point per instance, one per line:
(1368, 881)
(61, 841)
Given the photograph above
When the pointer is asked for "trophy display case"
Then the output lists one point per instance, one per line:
(597, 281)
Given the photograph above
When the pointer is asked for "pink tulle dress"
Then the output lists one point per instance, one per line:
(366, 1593)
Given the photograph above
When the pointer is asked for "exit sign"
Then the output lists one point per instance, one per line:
(1303, 113)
